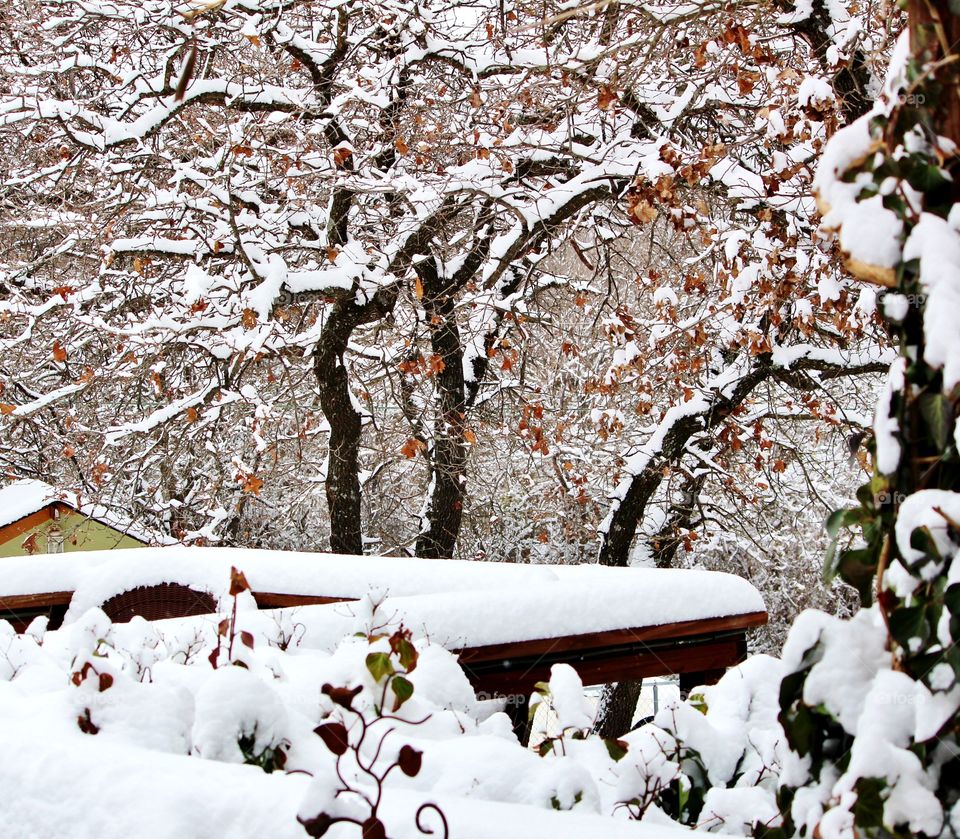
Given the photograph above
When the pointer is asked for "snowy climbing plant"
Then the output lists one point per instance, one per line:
(891, 174)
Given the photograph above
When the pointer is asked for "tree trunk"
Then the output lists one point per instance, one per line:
(852, 80)
(627, 513)
(935, 32)
(444, 511)
(618, 702)
(343, 479)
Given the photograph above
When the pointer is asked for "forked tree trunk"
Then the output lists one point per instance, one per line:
(616, 542)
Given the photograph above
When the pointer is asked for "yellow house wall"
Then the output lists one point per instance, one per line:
(80, 534)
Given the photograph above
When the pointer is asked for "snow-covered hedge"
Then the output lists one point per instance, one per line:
(381, 713)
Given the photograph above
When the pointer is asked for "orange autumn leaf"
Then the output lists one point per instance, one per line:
(401, 146)
(469, 436)
(641, 211)
(252, 485)
(412, 447)
(192, 414)
(249, 319)
(238, 582)
(606, 96)
(59, 353)
(436, 365)
(341, 155)
(7, 409)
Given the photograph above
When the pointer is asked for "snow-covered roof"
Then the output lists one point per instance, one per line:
(458, 603)
(27, 496)
(23, 498)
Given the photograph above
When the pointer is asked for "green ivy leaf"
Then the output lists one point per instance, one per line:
(402, 689)
(617, 749)
(839, 519)
(408, 655)
(868, 811)
(907, 623)
(951, 599)
(379, 665)
(921, 539)
(800, 729)
(938, 416)
(857, 567)
(836, 522)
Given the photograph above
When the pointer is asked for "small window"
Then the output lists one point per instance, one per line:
(54, 540)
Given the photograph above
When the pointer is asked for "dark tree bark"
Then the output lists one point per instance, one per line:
(448, 455)
(934, 34)
(343, 491)
(615, 543)
(852, 80)
(664, 544)
(618, 702)
(343, 480)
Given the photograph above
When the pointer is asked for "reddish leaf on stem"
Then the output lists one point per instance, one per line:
(334, 736)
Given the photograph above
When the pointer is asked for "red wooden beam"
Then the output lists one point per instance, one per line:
(615, 637)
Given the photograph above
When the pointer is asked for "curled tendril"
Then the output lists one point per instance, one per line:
(426, 830)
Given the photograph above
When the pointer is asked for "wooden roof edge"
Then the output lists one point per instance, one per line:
(280, 599)
(263, 598)
(612, 637)
(37, 600)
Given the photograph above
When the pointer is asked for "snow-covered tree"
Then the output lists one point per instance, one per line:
(260, 234)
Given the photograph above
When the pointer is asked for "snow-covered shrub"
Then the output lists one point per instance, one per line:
(239, 718)
(581, 763)
(727, 741)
